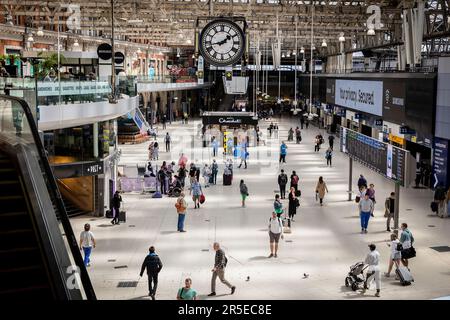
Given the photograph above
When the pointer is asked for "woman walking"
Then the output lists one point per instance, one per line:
(396, 255)
(181, 210)
(291, 135)
(244, 192)
(294, 203)
(321, 187)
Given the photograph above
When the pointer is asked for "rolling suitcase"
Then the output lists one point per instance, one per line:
(122, 216)
(227, 179)
(404, 275)
(109, 214)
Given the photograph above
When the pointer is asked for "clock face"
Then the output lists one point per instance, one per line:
(222, 42)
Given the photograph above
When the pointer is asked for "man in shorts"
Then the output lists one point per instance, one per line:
(275, 232)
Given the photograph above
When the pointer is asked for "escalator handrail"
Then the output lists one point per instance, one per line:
(53, 188)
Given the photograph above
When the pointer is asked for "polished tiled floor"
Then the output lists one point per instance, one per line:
(325, 240)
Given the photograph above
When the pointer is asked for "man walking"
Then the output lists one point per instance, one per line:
(389, 206)
(275, 232)
(365, 210)
(153, 265)
(87, 242)
(331, 141)
(282, 182)
(214, 171)
(181, 211)
(220, 264)
(302, 121)
(298, 135)
(164, 120)
(329, 156)
(215, 146)
(167, 140)
(283, 152)
(373, 271)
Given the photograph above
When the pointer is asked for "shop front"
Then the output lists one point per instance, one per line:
(230, 126)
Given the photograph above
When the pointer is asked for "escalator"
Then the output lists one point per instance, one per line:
(39, 255)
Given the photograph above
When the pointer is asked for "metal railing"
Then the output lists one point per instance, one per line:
(18, 119)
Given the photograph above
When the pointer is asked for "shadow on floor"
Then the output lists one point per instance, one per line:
(258, 258)
(146, 297)
(168, 232)
(205, 297)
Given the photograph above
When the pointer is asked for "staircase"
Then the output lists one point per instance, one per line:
(71, 209)
(22, 265)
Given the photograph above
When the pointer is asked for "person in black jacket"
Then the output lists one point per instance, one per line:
(153, 264)
(116, 200)
(282, 182)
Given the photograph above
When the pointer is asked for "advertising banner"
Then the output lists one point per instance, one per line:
(440, 163)
(365, 96)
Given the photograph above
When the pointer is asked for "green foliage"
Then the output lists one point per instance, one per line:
(49, 63)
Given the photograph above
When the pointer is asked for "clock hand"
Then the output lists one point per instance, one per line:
(220, 42)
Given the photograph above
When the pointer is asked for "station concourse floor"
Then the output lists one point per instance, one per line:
(324, 243)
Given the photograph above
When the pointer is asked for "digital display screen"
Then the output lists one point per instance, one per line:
(381, 157)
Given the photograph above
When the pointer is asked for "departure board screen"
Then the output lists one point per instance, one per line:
(381, 157)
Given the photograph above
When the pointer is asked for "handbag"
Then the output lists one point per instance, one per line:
(408, 253)
(202, 198)
(297, 203)
(434, 206)
(399, 247)
(357, 199)
(386, 213)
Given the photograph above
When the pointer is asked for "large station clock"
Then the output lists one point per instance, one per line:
(222, 42)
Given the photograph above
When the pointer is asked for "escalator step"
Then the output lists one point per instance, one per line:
(40, 292)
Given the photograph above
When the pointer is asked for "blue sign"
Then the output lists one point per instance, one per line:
(440, 163)
(407, 130)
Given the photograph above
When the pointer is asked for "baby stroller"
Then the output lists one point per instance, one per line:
(356, 276)
(175, 188)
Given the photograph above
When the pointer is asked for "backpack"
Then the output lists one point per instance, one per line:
(283, 179)
(295, 179)
(225, 260)
(153, 263)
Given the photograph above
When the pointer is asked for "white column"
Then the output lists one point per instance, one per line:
(95, 139)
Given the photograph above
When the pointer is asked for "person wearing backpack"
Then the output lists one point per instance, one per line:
(329, 156)
(220, 263)
(244, 192)
(275, 232)
(282, 182)
(294, 180)
(153, 265)
(298, 135)
(278, 206)
(187, 293)
(181, 211)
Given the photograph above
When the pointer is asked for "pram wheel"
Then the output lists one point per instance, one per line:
(348, 282)
(354, 286)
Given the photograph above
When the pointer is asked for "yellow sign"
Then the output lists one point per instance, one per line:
(396, 139)
(414, 139)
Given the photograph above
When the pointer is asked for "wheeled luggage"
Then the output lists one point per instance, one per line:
(227, 178)
(404, 275)
(109, 214)
(211, 179)
(122, 216)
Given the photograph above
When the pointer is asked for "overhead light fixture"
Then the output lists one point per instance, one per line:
(371, 32)
(160, 53)
(139, 51)
(341, 37)
(188, 41)
(314, 47)
(324, 43)
(76, 44)
(294, 53)
(282, 55)
(30, 38)
(193, 56)
(302, 50)
(288, 54)
(40, 32)
(178, 55)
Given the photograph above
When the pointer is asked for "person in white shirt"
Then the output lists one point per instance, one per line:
(396, 255)
(275, 232)
(87, 242)
(373, 271)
